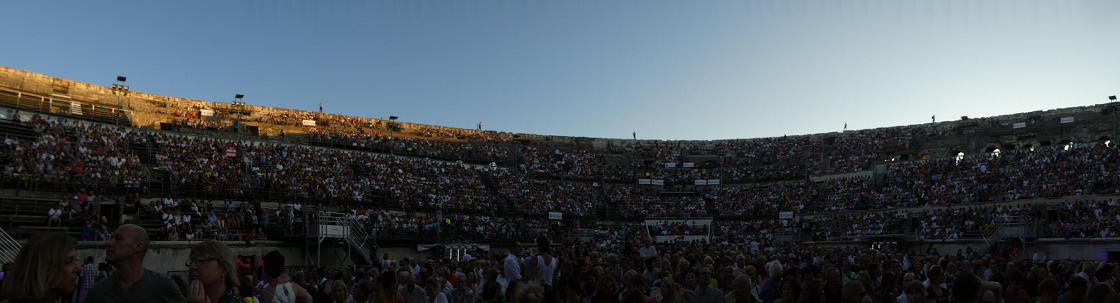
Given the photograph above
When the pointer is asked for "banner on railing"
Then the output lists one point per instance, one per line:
(670, 165)
(689, 164)
(308, 122)
(700, 182)
(1066, 120)
(785, 215)
(206, 112)
(231, 152)
(644, 181)
(552, 215)
(1019, 125)
(713, 181)
(658, 182)
(76, 108)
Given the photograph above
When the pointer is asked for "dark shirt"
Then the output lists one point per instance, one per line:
(769, 291)
(151, 287)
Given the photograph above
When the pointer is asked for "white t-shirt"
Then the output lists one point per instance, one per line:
(545, 271)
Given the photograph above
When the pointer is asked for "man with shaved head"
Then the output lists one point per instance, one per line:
(131, 282)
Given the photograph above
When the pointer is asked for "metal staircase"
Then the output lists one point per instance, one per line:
(9, 247)
(331, 225)
(1010, 227)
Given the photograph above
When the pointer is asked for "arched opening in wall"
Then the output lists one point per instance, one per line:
(1008, 147)
(990, 148)
(1045, 143)
(923, 156)
(1028, 147)
(903, 157)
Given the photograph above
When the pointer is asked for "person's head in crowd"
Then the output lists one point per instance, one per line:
(386, 290)
(854, 293)
(246, 287)
(128, 245)
(529, 292)
(407, 279)
(704, 277)
(915, 292)
(908, 277)
(791, 290)
(631, 296)
(211, 265)
(988, 296)
(741, 284)
(774, 269)
(45, 269)
(1076, 289)
(935, 276)
(273, 264)
(1048, 291)
(1101, 293)
(543, 245)
(340, 291)
(966, 288)
(1105, 272)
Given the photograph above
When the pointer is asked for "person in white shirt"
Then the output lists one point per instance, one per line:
(511, 267)
(55, 217)
(546, 265)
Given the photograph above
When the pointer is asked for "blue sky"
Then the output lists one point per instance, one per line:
(597, 68)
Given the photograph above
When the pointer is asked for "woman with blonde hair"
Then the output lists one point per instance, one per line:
(213, 277)
(46, 268)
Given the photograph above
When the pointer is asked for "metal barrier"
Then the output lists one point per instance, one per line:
(9, 247)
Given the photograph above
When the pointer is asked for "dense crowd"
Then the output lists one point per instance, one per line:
(617, 266)
(69, 155)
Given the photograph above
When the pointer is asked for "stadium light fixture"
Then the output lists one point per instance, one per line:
(394, 118)
(1112, 98)
(120, 89)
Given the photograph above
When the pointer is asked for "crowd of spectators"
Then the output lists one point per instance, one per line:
(618, 268)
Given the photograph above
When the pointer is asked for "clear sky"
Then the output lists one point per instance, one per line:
(599, 68)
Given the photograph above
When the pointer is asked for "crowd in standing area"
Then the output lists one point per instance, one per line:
(620, 266)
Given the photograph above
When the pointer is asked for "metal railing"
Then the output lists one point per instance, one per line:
(9, 247)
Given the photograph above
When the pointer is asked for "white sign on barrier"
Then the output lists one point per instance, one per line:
(689, 164)
(700, 182)
(1067, 120)
(206, 112)
(670, 165)
(713, 181)
(658, 182)
(552, 215)
(308, 122)
(644, 181)
(75, 108)
(785, 215)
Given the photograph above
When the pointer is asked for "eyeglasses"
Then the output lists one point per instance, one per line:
(193, 262)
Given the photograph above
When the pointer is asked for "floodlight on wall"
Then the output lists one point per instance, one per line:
(122, 79)
(238, 96)
(393, 118)
(1112, 98)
